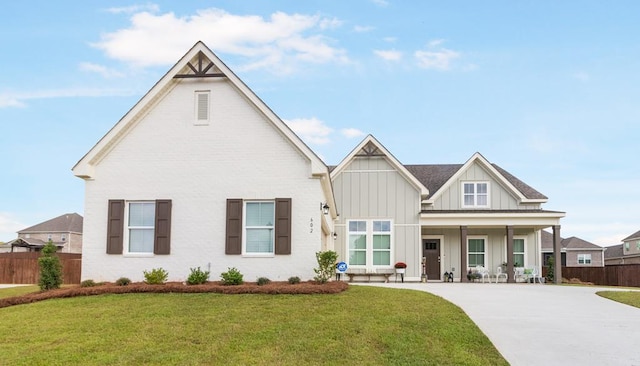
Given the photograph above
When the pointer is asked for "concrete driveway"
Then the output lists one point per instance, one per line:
(534, 324)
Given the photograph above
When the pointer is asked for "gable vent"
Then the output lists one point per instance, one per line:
(202, 107)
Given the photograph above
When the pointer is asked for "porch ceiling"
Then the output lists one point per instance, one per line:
(537, 219)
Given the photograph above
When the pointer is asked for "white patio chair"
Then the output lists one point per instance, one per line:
(484, 273)
(518, 272)
(535, 274)
(499, 274)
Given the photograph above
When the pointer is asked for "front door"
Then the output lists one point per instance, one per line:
(431, 255)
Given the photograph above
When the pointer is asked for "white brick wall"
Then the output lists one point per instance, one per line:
(238, 155)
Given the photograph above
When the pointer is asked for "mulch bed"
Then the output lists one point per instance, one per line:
(273, 288)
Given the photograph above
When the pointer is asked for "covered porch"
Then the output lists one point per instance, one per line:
(500, 241)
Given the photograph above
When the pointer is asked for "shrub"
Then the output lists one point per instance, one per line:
(197, 276)
(231, 277)
(123, 281)
(87, 283)
(263, 281)
(550, 270)
(50, 268)
(294, 280)
(326, 265)
(156, 276)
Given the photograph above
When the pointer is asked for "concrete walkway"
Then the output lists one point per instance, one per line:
(533, 324)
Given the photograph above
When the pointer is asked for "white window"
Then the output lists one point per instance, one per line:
(63, 237)
(475, 194)
(49, 237)
(584, 258)
(202, 113)
(476, 251)
(518, 252)
(259, 218)
(370, 243)
(141, 217)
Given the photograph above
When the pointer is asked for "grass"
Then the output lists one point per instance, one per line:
(17, 291)
(626, 297)
(361, 326)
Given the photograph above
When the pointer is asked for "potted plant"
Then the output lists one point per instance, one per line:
(400, 267)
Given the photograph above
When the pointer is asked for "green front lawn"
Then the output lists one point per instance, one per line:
(361, 326)
(17, 291)
(626, 297)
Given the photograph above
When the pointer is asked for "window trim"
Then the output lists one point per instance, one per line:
(485, 253)
(584, 256)
(369, 250)
(245, 253)
(126, 228)
(515, 237)
(475, 194)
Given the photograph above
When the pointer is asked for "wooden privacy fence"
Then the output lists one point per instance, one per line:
(22, 268)
(611, 275)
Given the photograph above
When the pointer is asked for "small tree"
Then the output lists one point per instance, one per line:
(550, 269)
(50, 268)
(326, 265)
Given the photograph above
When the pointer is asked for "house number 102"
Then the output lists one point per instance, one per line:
(311, 225)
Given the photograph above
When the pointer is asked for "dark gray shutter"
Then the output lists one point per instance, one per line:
(233, 242)
(115, 226)
(283, 226)
(162, 241)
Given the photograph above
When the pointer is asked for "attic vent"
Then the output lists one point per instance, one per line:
(202, 107)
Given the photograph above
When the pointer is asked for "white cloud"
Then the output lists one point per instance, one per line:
(351, 132)
(134, 9)
(9, 226)
(7, 101)
(19, 99)
(99, 69)
(362, 28)
(311, 130)
(435, 42)
(389, 55)
(275, 43)
(439, 60)
(381, 3)
(390, 39)
(582, 76)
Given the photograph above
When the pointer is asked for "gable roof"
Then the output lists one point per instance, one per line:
(571, 243)
(635, 235)
(450, 174)
(185, 68)
(370, 146)
(67, 223)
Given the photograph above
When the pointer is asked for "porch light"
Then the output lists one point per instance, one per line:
(325, 208)
(335, 236)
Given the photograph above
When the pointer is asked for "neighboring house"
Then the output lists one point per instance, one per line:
(576, 252)
(449, 217)
(201, 173)
(65, 231)
(626, 253)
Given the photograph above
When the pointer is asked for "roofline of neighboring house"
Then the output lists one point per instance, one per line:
(49, 232)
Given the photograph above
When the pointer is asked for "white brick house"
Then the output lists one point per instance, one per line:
(200, 172)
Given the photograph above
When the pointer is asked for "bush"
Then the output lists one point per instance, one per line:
(87, 283)
(123, 281)
(50, 268)
(263, 281)
(197, 276)
(231, 277)
(157, 276)
(326, 265)
(294, 280)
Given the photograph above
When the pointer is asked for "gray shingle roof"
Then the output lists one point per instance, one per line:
(566, 243)
(635, 235)
(67, 223)
(614, 251)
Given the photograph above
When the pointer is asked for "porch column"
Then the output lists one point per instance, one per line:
(463, 254)
(510, 278)
(557, 255)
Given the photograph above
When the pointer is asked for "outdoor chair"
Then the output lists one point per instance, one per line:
(518, 272)
(535, 274)
(483, 273)
(499, 274)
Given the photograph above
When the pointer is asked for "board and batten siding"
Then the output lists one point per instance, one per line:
(370, 188)
(500, 197)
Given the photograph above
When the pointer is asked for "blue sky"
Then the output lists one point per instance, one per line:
(548, 90)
